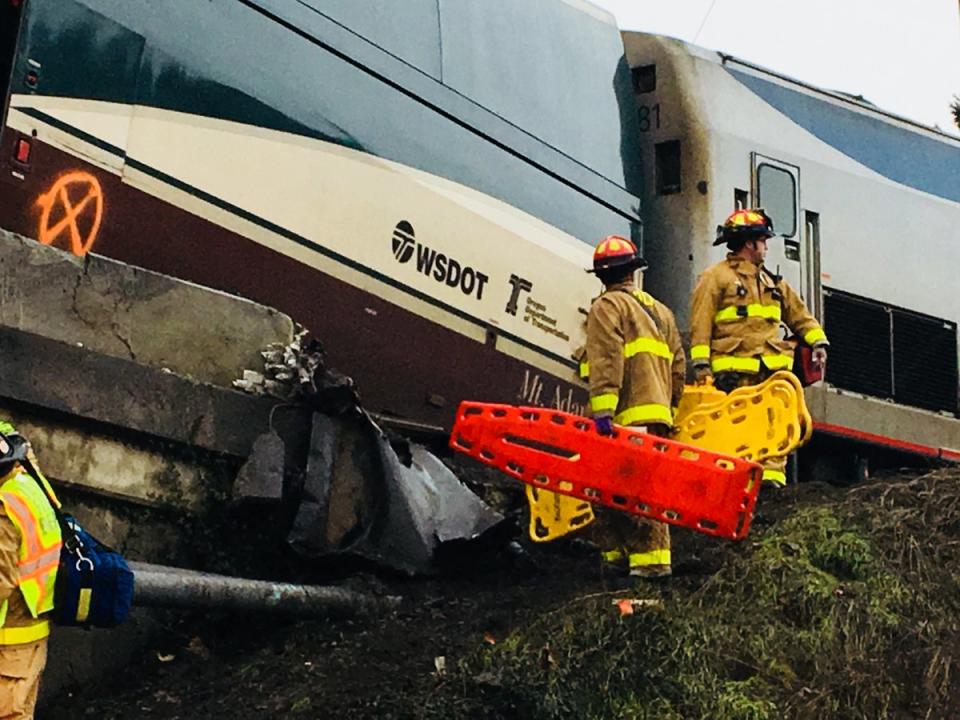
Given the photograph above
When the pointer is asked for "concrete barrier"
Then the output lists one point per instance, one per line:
(127, 312)
(121, 378)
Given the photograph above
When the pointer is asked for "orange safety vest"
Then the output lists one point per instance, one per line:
(40, 542)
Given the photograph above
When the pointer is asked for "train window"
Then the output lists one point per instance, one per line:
(777, 194)
(667, 162)
(644, 79)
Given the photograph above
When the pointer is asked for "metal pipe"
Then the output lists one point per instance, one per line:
(165, 586)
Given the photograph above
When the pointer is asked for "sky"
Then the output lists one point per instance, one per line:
(903, 57)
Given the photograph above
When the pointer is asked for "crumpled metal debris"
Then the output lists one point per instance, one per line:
(299, 370)
(360, 499)
(359, 496)
(261, 477)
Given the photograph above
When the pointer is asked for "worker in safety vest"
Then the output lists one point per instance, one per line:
(29, 555)
(635, 365)
(736, 314)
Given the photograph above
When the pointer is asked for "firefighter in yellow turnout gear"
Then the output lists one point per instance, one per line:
(737, 309)
(29, 556)
(636, 365)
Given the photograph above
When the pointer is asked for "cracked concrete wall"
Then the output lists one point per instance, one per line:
(115, 467)
(142, 491)
(132, 313)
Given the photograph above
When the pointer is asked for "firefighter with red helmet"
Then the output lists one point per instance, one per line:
(635, 365)
(736, 314)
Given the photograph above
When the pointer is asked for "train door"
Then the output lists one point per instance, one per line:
(11, 12)
(776, 188)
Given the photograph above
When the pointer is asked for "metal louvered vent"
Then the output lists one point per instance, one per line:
(924, 361)
(859, 333)
(888, 352)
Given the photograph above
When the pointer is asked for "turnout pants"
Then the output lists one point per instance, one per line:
(774, 469)
(637, 543)
(20, 670)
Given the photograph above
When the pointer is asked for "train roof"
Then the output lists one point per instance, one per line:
(736, 98)
(552, 68)
(846, 98)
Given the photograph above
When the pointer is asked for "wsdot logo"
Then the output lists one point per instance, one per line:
(403, 241)
(440, 267)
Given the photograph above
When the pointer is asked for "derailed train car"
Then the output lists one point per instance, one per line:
(867, 205)
(408, 185)
(422, 189)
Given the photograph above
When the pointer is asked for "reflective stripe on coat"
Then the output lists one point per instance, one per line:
(30, 511)
(634, 357)
(735, 318)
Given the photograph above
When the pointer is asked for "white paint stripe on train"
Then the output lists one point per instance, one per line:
(478, 231)
(323, 206)
(103, 120)
(263, 236)
(107, 121)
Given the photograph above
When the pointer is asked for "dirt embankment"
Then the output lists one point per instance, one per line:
(842, 603)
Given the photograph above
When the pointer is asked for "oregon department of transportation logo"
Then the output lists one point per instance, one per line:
(441, 267)
(403, 241)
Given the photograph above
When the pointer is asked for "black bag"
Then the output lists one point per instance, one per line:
(94, 586)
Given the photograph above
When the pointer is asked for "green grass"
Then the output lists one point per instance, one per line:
(846, 609)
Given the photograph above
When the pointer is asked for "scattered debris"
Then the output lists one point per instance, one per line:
(627, 606)
(746, 630)
(362, 494)
(261, 477)
(299, 371)
(196, 647)
(359, 499)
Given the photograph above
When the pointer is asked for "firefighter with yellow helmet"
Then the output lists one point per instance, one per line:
(30, 544)
(635, 365)
(736, 314)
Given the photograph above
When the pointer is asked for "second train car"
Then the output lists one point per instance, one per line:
(867, 207)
